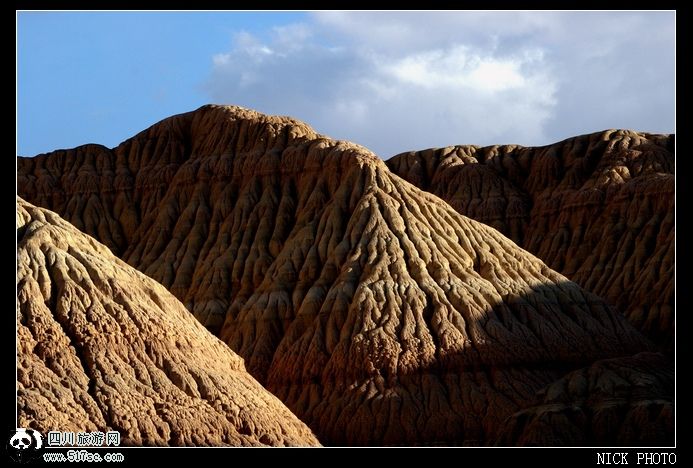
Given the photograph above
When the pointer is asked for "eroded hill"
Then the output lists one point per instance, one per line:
(103, 347)
(614, 402)
(374, 310)
(598, 208)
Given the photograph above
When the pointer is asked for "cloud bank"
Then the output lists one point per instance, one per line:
(400, 81)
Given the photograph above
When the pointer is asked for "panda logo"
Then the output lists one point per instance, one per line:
(22, 440)
(23, 445)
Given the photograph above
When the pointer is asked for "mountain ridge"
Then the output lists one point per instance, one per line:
(103, 347)
(598, 207)
(373, 309)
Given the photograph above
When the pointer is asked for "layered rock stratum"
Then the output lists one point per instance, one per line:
(103, 347)
(376, 312)
(598, 208)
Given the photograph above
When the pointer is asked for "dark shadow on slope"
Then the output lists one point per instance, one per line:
(597, 208)
(466, 394)
(625, 401)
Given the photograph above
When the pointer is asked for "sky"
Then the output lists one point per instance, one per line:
(390, 81)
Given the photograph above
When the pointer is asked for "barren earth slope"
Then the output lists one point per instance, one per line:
(374, 310)
(103, 347)
(598, 208)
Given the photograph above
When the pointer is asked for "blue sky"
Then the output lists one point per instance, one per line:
(390, 81)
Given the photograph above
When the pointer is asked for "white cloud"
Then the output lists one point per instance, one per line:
(400, 81)
(458, 67)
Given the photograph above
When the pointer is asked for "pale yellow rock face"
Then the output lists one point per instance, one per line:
(598, 208)
(103, 347)
(376, 312)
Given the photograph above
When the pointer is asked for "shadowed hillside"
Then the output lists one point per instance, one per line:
(372, 309)
(614, 402)
(598, 208)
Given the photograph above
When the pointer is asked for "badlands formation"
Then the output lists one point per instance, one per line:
(102, 347)
(378, 313)
(598, 208)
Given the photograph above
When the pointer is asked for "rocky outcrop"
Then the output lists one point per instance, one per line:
(616, 402)
(598, 208)
(103, 347)
(374, 310)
